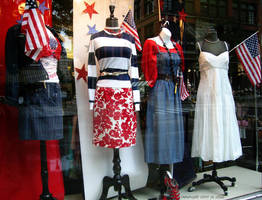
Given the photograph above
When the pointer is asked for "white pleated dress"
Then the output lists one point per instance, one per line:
(216, 132)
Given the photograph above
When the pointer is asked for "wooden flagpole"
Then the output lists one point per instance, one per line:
(159, 10)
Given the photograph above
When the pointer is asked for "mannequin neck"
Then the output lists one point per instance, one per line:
(165, 34)
(212, 36)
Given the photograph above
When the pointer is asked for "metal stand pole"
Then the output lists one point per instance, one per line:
(256, 118)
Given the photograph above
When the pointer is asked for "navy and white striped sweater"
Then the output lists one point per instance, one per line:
(113, 52)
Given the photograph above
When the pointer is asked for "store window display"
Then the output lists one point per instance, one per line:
(216, 133)
(162, 61)
(32, 83)
(113, 94)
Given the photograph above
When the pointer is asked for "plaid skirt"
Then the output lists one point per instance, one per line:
(40, 114)
(114, 118)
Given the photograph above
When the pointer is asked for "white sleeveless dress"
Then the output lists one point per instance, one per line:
(216, 132)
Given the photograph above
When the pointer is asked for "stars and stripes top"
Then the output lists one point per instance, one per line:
(112, 62)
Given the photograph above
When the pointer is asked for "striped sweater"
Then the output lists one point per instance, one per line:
(113, 53)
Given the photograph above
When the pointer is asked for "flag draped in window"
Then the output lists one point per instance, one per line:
(248, 53)
(35, 32)
(182, 87)
(129, 26)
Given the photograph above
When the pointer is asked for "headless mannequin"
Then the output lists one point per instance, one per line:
(117, 181)
(164, 37)
(165, 34)
(212, 44)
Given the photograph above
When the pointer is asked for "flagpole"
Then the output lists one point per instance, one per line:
(243, 41)
(159, 10)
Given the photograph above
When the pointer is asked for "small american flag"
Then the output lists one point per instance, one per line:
(34, 28)
(248, 53)
(182, 88)
(129, 26)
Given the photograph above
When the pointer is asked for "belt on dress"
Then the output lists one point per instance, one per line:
(37, 85)
(112, 73)
(166, 77)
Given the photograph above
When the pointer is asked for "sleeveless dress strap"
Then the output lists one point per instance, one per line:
(199, 46)
(226, 45)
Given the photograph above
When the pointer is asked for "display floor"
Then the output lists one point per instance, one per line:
(248, 186)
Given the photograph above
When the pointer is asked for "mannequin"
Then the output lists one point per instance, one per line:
(112, 103)
(161, 61)
(212, 44)
(215, 118)
(37, 96)
(112, 22)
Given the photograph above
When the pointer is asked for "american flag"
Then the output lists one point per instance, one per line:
(34, 28)
(129, 26)
(249, 54)
(182, 88)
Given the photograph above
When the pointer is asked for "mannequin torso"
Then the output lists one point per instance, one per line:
(165, 34)
(212, 44)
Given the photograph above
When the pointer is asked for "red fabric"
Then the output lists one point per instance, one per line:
(149, 60)
(20, 169)
(114, 118)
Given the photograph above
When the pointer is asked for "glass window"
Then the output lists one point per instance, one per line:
(137, 10)
(148, 7)
(195, 98)
(189, 7)
(248, 14)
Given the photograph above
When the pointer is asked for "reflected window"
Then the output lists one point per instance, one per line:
(137, 9)
(149, 7)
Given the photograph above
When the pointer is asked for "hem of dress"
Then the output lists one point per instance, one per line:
(111, 147)
(163, 163)
(217, 161)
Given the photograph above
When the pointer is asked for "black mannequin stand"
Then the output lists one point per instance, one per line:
(214, 178)
(44, 173)
(117, 181)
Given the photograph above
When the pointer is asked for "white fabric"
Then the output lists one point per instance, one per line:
(97, 161)
(216, 133)
(50, 63)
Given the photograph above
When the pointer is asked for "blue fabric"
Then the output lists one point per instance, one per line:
(40, 114)
(164, 137)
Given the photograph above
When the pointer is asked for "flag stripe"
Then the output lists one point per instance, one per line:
(252, 63)
(248, 53)
(183, 91)
(252, 70)
(129, 26)
(37, 39)
(130, 31)
(248, 64)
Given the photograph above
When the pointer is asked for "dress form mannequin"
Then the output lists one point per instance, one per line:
(164, 40)
(212, 44)
(112, 22)
(117, 181)
(164, 35)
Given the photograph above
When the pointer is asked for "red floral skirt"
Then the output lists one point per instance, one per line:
(114, 118)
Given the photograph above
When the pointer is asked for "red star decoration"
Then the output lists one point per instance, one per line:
(82, 73)
(90, 9)
(182, 15)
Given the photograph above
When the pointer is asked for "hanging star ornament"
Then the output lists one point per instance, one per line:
(82, 73)
(92, 29)
(90, 9)
(182, 15)
(42, 7)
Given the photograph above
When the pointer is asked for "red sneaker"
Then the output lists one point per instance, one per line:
(172, 187)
